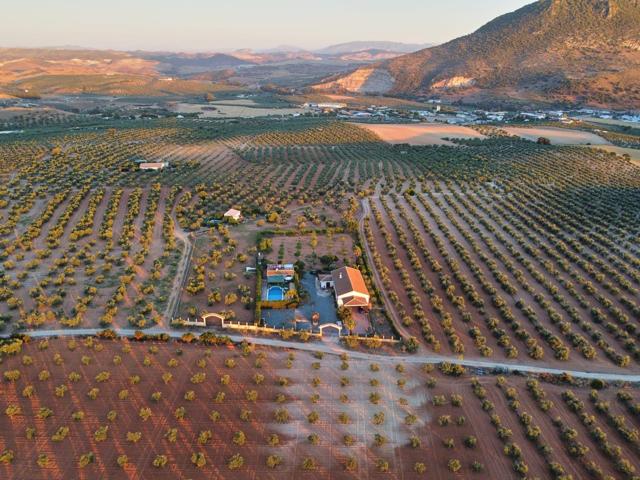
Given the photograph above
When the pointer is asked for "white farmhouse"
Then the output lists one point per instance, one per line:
(233, 214)
(349, 287)
(153, 166)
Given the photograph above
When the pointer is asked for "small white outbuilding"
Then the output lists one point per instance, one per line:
(233, 214)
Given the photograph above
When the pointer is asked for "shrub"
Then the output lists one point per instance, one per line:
(7, 456)
(273, 461)
(86, 459)
(160, 461)
(309, 463)
(198, 459)
(382, 465)
(351, 464)
(454, 465)
(235, 462)
(239, 438)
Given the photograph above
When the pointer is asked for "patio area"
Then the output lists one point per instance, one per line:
(319, 301)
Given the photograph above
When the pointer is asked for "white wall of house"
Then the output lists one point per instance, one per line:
(324, 284)
(340, 299)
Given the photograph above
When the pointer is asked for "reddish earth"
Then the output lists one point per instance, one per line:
(448, 218)
(396, 401)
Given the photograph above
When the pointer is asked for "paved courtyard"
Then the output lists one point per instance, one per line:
(318, 300)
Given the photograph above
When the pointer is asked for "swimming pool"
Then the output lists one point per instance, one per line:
(275, 294)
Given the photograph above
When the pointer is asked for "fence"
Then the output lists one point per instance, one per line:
(235, 325)
(364, 338)
(255, 328)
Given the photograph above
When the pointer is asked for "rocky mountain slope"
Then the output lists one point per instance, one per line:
(584, 51)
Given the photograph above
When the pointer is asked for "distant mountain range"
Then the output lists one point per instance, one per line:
(584, 51)
(62, 69)
(354, 47)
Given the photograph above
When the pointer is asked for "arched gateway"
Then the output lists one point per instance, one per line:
(334, 328)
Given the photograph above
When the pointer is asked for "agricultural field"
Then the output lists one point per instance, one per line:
(531, 264)
(317, 252)
(488, 249)
(422, 134)
(217, 280)
(230, 109)
(93, 407)
(90, 240)
(558, 136)
(491, 247)
(633, 153)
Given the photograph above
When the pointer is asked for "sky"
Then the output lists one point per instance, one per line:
(223, 25)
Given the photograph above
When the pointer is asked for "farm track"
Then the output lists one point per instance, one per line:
(335, 349)
(184, 266)
(397, 323)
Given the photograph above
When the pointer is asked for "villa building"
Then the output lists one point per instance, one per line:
(349, 287)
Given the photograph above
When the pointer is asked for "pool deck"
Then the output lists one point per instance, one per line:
(319, 300)
(280, 293)
(265, 292)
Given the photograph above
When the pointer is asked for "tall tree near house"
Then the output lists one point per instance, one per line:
(346, 316)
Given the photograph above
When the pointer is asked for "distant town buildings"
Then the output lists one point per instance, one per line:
(630, 118)
(325, 106)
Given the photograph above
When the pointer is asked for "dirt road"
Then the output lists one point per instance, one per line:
(173, 303)
(395, 318)
(337, 349)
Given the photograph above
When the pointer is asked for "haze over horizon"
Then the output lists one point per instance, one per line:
(226, 26)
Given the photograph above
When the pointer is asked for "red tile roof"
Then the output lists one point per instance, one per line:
(347, 280)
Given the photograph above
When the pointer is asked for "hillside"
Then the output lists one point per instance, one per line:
(33, 72)
(585, 51)
(185, 64)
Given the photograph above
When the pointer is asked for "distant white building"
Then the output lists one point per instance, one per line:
(558, 114)
(534, 115)
(233, 214)
(631, 118)
(153, 166)
(496, 116)
(326, 106)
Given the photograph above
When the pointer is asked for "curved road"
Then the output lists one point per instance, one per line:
(336, 349)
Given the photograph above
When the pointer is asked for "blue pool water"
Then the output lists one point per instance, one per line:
(275, 294)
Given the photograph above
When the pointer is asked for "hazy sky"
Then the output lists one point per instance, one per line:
(206, 25)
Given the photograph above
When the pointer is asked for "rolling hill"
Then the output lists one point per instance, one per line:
(579, 51)
(187, 64)
(30, 73)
